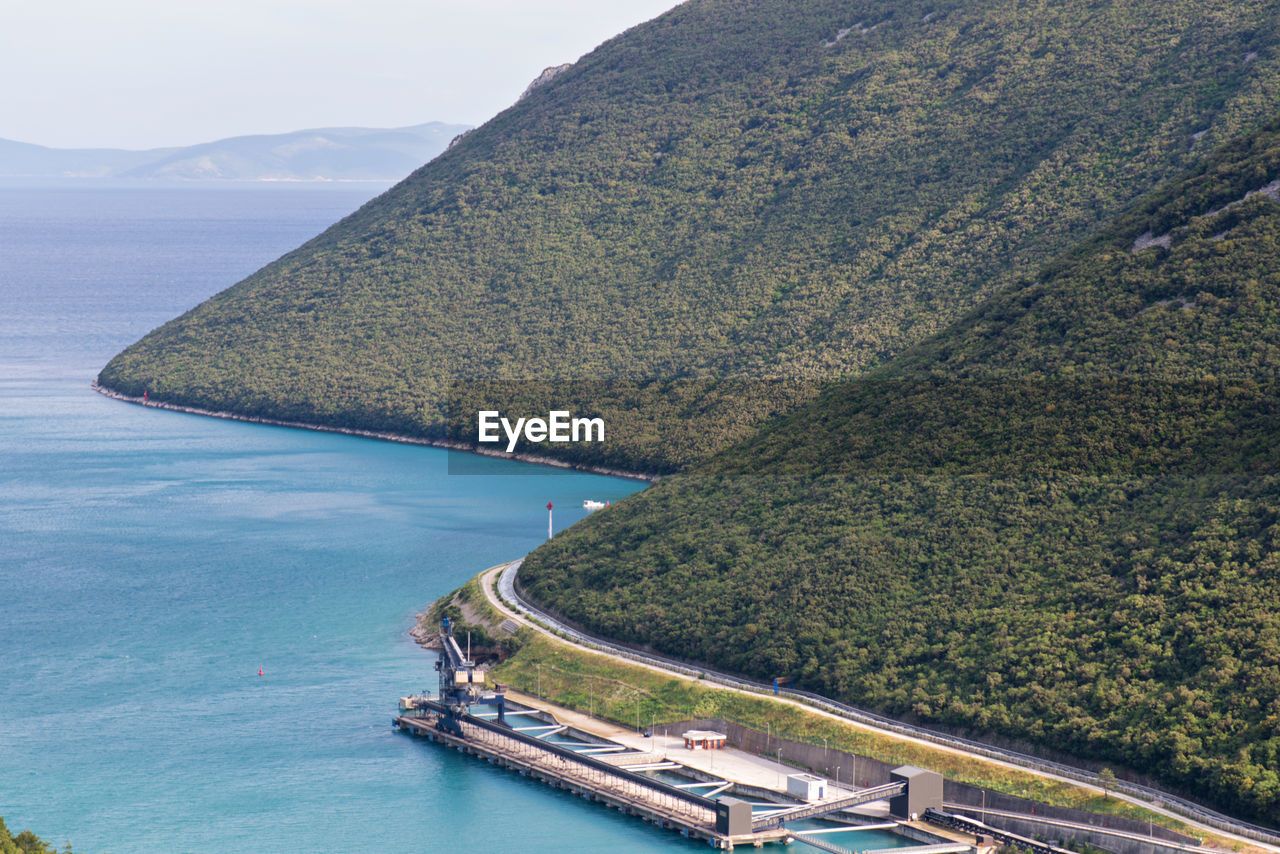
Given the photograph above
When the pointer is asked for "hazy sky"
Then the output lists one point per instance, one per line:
(150, 73)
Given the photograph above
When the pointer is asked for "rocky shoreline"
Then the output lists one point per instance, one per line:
(373, 434)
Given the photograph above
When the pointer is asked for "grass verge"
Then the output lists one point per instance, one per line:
(635, 696)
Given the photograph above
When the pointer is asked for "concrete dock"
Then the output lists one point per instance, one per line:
(613, 765)
(604, 782)
(746, 769)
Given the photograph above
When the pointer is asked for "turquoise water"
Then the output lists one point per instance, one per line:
(152, 562)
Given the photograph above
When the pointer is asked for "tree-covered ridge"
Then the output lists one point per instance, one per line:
(736, 190)
(1057, 522)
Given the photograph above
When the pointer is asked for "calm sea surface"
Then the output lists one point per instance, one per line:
(152, 562)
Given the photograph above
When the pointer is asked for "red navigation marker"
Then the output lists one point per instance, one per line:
(548, 505)
(259, 671)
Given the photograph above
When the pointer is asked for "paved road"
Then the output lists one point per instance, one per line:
(508, 600)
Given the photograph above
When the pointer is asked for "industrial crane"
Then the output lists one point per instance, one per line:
(462, 683)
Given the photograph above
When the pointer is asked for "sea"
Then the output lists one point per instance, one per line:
(203, 622)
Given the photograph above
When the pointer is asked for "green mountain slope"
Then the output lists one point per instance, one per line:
(1058, 521)
(737, 191)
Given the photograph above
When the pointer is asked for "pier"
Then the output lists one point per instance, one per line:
(616, 786)
(616, 771)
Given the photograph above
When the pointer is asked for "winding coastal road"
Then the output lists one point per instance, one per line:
(499, 586)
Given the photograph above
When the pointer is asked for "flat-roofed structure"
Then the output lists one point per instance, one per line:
(922, 791)
(806, 787)
(704, 739)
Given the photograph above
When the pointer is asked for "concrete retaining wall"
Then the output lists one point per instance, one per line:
(963, 793)
(1063, 835)
(864, 771)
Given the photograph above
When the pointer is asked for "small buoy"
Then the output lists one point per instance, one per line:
(259, 671)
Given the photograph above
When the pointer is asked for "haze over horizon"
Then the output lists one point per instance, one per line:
(230, 138)
(144, 74)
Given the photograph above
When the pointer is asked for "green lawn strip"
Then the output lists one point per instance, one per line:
(626, 693)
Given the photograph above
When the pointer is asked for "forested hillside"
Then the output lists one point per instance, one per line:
(713, 215)
(1058, 521)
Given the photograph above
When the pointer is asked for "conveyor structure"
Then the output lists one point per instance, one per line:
(804, 811)
(462, 684)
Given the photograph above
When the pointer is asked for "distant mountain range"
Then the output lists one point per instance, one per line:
(320, 154)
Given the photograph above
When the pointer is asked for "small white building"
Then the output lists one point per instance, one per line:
(704, 739)
(806, 787)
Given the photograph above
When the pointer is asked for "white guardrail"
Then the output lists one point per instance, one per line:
(507, 590)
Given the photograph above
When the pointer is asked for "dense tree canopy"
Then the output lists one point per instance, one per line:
(25, 842)
(1040, 501)
(737, 191)
(1058, 521)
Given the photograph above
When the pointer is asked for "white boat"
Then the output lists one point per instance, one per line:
(590, 505)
